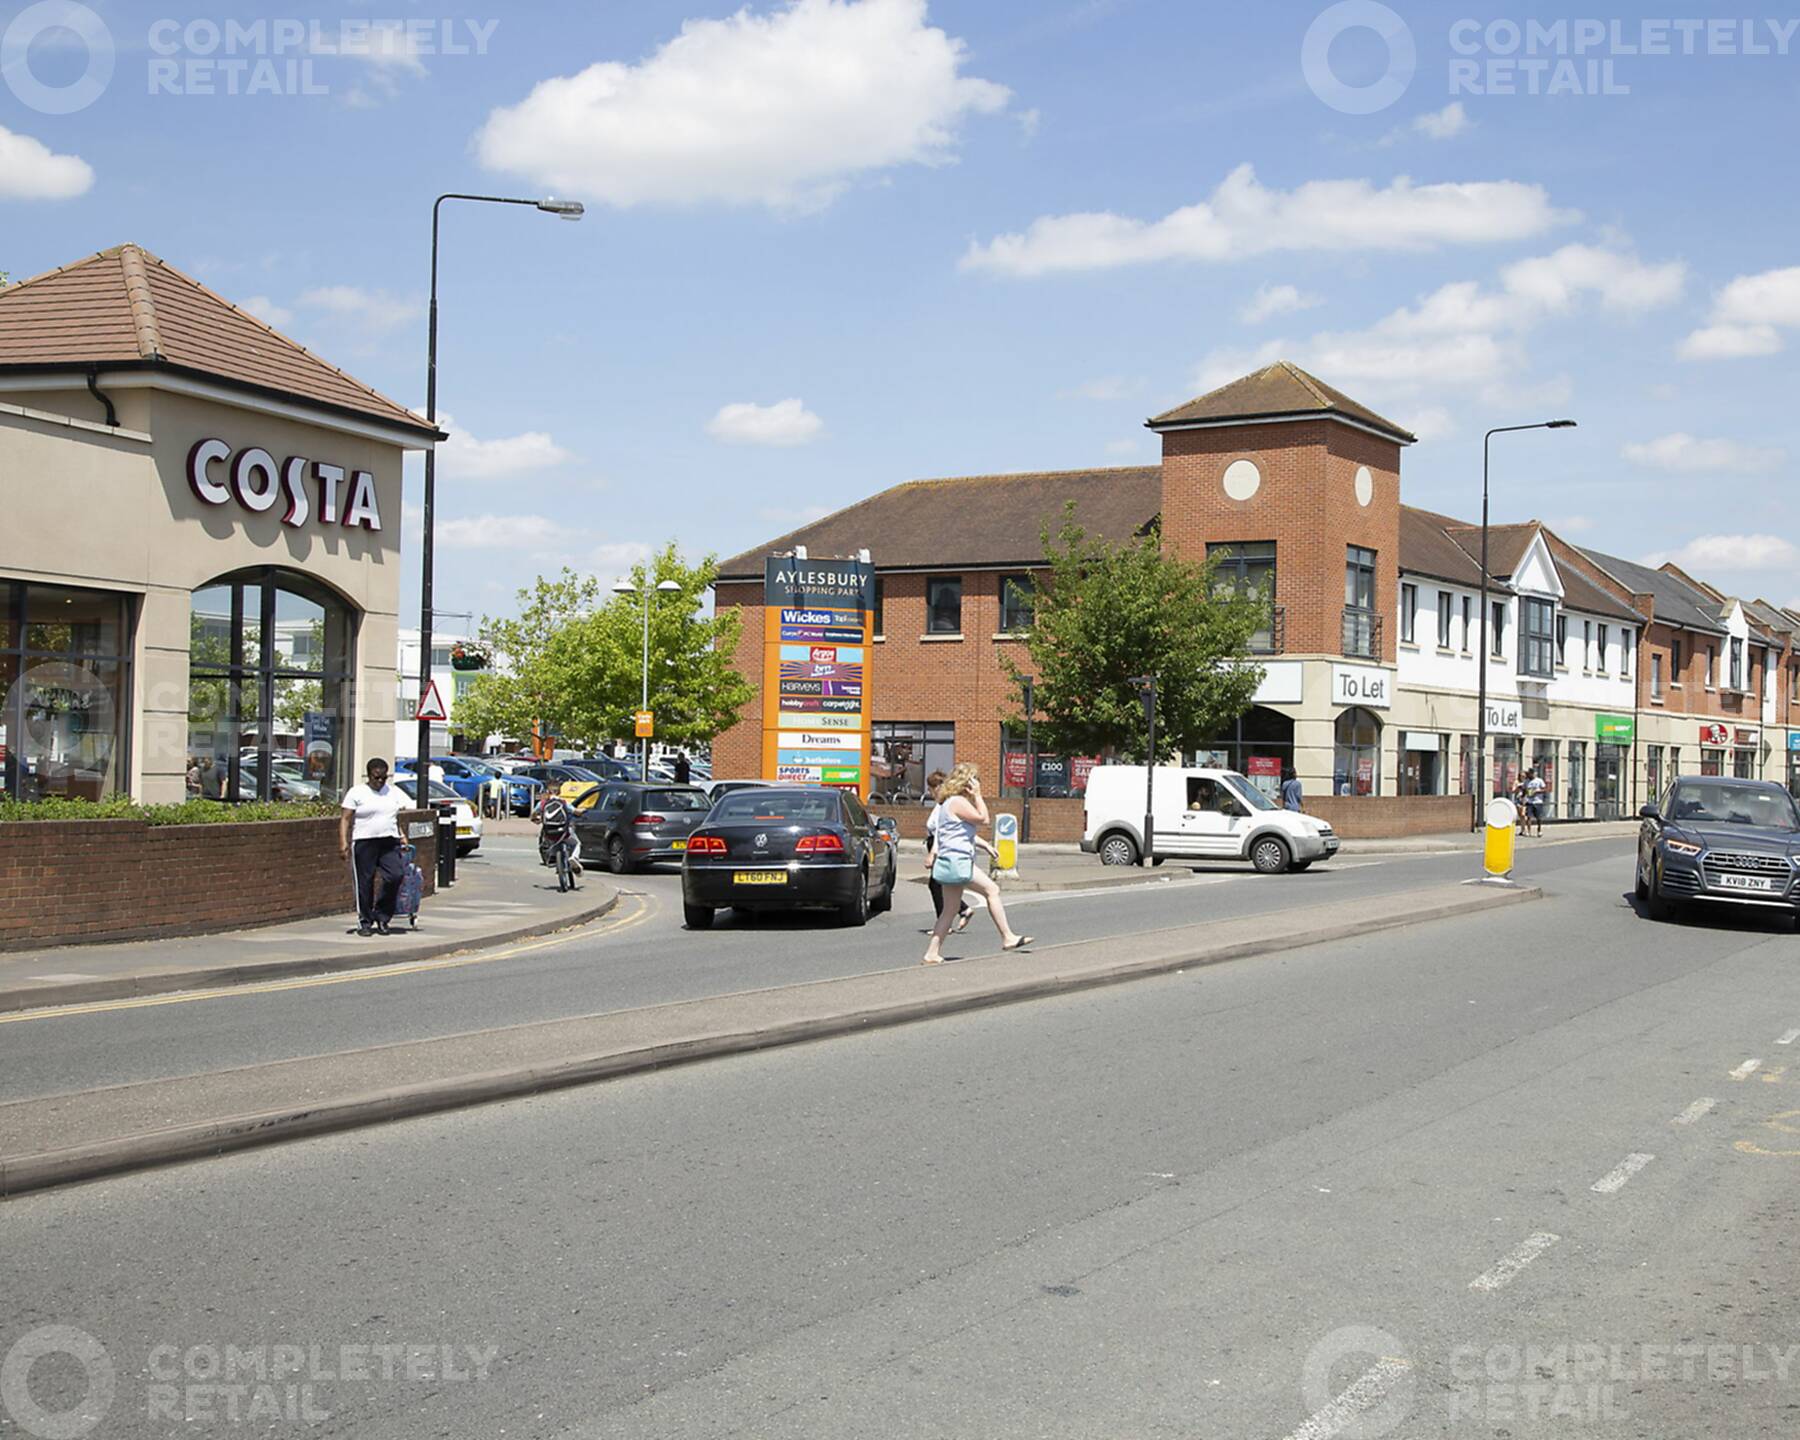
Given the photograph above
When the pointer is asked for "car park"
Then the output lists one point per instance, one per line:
(787, 847)
(1199, 814)
(629, 826)
(577, 784)
(1720, 840)
(718, 789)
(445, 800)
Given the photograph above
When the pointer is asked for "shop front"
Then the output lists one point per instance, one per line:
(217, 616)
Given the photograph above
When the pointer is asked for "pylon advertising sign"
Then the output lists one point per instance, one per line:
(818, 620)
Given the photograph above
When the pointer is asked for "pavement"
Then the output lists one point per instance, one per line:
(498, 899)
(1528, 1172)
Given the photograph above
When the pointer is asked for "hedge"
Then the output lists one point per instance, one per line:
(189, 812)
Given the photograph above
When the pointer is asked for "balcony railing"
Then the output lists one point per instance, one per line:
(1362, 634)
(1272, 638)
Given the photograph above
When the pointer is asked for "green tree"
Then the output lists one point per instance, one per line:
(1104, 613)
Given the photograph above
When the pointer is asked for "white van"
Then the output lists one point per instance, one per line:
(1201, 815)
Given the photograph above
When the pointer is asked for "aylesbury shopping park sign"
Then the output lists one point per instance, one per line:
(818, 624)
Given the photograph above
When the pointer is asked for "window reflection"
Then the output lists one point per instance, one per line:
(64, 691)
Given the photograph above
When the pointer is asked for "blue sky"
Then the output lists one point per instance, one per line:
(841, 243)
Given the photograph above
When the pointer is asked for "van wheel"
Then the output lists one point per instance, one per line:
(1270, 855)
(1117, 849)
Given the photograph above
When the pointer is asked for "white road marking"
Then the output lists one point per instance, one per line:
(1364, 1394)
(1510, 1265)
(1789, 1038)
(1746, 1070)
(1614, 1180)
(1694, 1112)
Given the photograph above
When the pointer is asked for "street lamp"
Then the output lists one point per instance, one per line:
(1029, 685)
(1147, 689)
(1481, 648)
(625, 587)
(564, 210)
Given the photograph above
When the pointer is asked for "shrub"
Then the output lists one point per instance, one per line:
(189, 812)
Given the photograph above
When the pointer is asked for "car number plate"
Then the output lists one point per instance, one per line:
(761, 877)
(1748, 882)
(678, 844)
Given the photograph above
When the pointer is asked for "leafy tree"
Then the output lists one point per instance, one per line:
(1104, 613)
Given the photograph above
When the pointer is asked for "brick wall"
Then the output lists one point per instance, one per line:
(84, 881)
(1385, 817)
(1053, 822)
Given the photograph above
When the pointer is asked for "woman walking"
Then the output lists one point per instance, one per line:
(962, 811)
(369, 820)
(933, 784)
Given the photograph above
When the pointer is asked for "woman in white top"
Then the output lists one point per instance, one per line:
(961, 812)
(369, 821)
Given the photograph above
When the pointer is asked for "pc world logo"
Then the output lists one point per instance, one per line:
(61, 23)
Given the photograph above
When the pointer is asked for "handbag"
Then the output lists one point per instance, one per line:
(953, 869)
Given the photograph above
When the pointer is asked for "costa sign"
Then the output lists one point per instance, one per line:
(256, 482)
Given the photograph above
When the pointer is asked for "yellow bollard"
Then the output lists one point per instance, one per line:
(1006, 841)
(1502, 818)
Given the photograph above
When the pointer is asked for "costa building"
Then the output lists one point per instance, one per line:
(1372, 647)
(200, 565)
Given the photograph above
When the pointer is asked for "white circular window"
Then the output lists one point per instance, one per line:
(1365, 485)
(1242, 479)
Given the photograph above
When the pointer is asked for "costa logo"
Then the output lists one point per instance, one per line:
(257, 483)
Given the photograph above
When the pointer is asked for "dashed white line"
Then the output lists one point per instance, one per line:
(1746, 1070)
(1614, 1179)
(1509, 1267)
(1368, 1391)
(1789, 1038)
(1694, 1111)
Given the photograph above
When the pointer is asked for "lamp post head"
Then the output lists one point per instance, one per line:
(1560, 425)
(623, 586)
(562, 209)
(668, 587)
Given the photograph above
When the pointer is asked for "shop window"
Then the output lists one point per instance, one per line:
(1653, 770)
(1260, 745)
(903, 753)
(65, 691)
(1577, 786)
(943, 606)
(1409, 613)
(1057, 777)
(1743, 764)
(1018, 594)
(1537, 641)
(1712, 762)
(1507, 764)
(1356, 762)
(270, 669)
(1543, 761)
(1424, 767)
(1247, 567)
(1443, 618)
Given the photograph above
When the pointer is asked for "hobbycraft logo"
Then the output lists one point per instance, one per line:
(57, 25)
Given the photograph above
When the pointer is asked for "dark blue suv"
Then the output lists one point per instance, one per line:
(1718, 839)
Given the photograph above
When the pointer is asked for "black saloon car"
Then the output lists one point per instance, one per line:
(630, 826)
(1718, 839)
(789, 847)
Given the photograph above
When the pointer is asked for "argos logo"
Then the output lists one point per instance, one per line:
(311, 489)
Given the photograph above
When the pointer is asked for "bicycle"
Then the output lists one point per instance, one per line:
(567, 855)
(557, 842)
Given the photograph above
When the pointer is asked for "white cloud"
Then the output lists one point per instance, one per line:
(787, 422)
(266, 310)
(1684, 454)
(1621, 281)
(30, 170)
(1445, 124)
(1272, 300)
(1747, 317)
(1726, 554)
(501, 532)
(468, 457)
(374, 311)
(781, 109)
(1243, 218)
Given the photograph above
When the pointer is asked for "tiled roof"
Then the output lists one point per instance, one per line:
(1427, 549)
(1279, 391)
(1507, 545)
(1773, 619)
(1677, 603)
(1448, 549)
(973, 520)
(124, 307)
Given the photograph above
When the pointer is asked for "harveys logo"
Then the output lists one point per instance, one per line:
(257, 483)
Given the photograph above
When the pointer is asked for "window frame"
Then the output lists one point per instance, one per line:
(1537, 641)
(1009, 615)
(935, 583)
(1603, 636)
(1445, 613)
(1409, 612)
(1497, 629)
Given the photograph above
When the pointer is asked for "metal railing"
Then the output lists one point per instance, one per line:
(1272, 638)
(1362, 634)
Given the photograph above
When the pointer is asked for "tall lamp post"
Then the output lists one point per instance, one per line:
(1030, 687)
(666, 587)
(1147, 686)
(563, 209)
(1481, 649)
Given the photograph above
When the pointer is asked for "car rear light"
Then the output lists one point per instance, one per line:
(819, 845)
(706, 845)
(651, 820)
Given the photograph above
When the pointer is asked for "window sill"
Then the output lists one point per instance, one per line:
(878, 639)
(940, 639)
(1448, 650)
(1410, 646)
(1016, 636)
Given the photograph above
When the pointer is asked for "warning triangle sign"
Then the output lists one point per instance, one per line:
(431, 707)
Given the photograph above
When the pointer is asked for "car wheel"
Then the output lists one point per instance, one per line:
(1641, 889)
(618, 856)
(886, 902)
(1117, 849)
(1270, 855)
(1655, 906)
(698, 917)
(856, 913)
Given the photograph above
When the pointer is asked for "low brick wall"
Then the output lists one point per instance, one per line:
(1388, 817)
(1052, 821)
(83, 881)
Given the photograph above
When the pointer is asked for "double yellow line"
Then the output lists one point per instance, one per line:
(621, 919)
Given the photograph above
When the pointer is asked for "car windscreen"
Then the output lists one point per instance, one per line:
(776, 807)
(675, 800)
(1249, 794)
(1697, 802)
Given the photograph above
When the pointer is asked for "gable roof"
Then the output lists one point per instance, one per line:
(124, 308)
(1427, 549)
(1446, 549)
(972, 521)
(1677, 603)
(1778, 627)
(1282, 391)
(1507, 545)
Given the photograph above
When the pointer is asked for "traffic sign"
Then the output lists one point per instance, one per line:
(431, 704)
(645, 721)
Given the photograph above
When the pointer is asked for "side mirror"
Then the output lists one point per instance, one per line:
(1649, 811)
(889, 829)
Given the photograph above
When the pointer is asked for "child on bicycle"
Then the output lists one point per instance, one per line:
(556, 824)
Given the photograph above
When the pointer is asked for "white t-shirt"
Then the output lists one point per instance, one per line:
(377, 811)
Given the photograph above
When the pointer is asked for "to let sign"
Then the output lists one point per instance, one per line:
(1505, 717)
(1361, 685)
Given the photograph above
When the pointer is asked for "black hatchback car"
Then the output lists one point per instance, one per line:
(789, 847)
(1718, 839)
(630, 826)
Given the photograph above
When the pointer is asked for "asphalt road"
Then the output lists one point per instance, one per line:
(643, 956)
(1526, 1174)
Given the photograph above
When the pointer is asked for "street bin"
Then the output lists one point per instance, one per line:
(1502, 821)
(446, 848)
